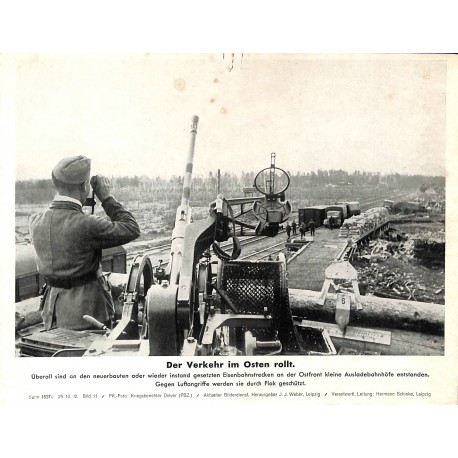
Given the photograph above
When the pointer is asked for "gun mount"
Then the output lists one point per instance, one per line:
(214, 304)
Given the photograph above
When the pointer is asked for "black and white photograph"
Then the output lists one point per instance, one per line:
(230, 205)
(239, 228)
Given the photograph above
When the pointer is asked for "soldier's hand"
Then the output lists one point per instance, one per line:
(101, 186)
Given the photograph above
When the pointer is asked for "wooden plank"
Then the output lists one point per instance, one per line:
(419, 317)
(376, 312)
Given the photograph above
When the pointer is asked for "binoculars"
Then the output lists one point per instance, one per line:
(90, 201)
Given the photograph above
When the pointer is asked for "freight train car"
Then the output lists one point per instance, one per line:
(408, 207)
(317, 213)
(29, 282)
(359, 225)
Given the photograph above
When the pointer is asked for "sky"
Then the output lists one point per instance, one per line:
(131, 114)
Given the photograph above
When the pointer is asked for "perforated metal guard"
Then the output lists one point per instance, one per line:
(260, 288)
(252, 286)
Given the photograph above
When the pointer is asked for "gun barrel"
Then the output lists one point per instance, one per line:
(183, 214)
(189, 164)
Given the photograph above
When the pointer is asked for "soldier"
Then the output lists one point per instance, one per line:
(294, 225)
(288, 230)
(312, 227)
(302, 229)
(68, 245)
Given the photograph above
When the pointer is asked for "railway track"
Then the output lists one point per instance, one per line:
(268, 252)
(162, 252)
(370, 203)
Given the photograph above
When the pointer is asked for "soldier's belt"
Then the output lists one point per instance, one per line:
(68, 283)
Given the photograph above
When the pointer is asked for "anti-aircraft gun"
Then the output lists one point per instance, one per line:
(207, 302)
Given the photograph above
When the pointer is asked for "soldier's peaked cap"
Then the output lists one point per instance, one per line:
(73, 170)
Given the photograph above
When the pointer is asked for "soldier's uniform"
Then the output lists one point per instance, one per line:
(68, 245)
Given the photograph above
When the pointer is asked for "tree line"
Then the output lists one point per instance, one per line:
(205, 188)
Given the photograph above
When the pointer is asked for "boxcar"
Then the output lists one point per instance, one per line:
(316, 212)
(29, 282)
